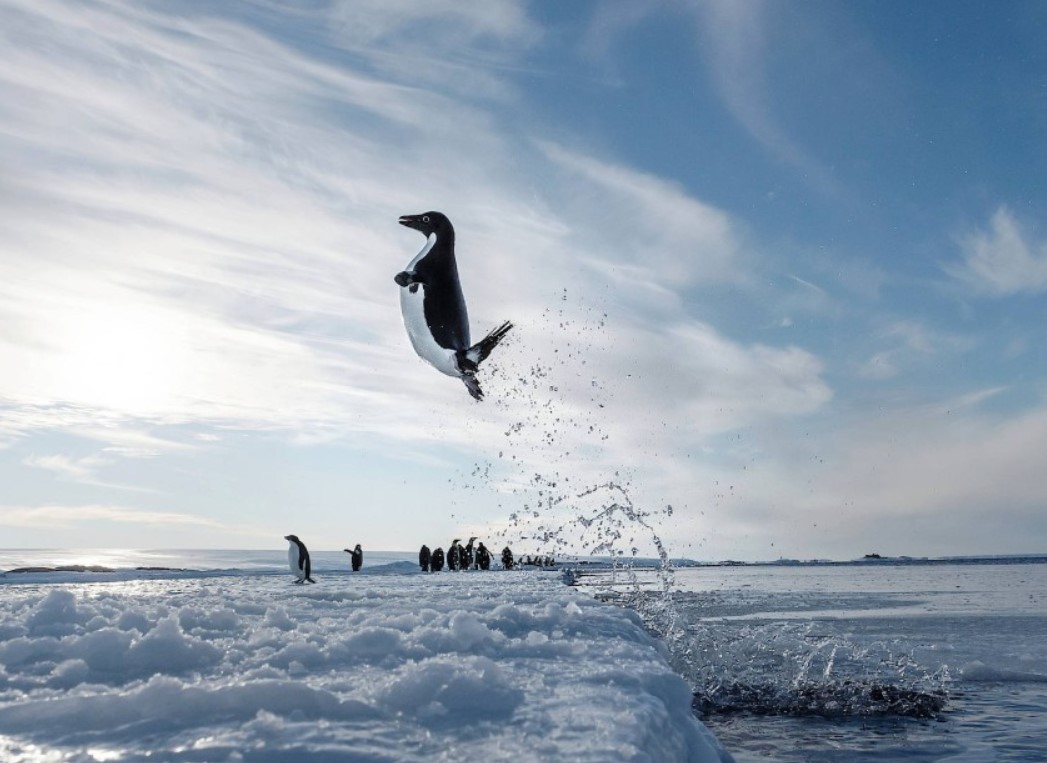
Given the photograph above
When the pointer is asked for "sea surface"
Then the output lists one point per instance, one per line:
(879, 662)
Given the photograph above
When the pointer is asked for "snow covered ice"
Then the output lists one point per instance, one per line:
(398, 666)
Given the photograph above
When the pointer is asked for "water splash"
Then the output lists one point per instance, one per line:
(553, 482)
(793, 668)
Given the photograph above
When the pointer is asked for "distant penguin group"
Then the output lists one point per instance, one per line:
(433, 305)
(472, 556)
(459, 557)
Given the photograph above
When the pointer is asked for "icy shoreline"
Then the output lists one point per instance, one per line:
(246, 667)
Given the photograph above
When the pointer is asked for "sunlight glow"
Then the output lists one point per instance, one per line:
(130, 359)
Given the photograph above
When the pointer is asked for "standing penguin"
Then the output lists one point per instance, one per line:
(298, 560)
(433, 306)
(483, 557)
(423, 558)
(357, 557)
(436, 562)
(454, 556)
(469, 555)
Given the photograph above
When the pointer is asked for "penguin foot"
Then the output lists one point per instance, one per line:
(473, 386)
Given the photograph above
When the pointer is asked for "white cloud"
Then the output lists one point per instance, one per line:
(440, 47)
(203, 232)
(647, 227)
(911, 343)
(86, 470)
(876, 477)
(221, 248)
(62, 516)
(880, 366)
(439, 26)
(132, 442)
(734, 40)
(1003, 260)
(79, 469)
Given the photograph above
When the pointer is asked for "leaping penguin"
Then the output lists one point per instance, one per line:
(298, 560)
(433, 306)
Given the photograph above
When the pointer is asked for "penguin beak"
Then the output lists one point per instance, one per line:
(411, 221)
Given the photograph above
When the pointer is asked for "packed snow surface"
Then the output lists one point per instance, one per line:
(498, 666)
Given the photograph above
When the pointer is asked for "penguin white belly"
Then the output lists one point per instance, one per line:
(412, 305)
(292, 559)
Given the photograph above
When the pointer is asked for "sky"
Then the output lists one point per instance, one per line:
(777, 274)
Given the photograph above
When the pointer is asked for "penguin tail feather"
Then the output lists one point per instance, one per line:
(479, 351)
(469, 360)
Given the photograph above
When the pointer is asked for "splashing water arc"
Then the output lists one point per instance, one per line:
(563, 497)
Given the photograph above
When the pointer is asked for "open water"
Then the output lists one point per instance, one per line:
(839, 663)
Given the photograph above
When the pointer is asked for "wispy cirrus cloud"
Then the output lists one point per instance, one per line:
(64, 516)
(909, 343)
(647, 226)
(78, 469)
(734, 40)
(215, 254)
(442, 44)
(180, 185)
(115, 525)
(88, 470)
(203, 237)
(1002, 259)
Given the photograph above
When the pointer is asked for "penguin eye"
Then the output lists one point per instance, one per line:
(425, 218)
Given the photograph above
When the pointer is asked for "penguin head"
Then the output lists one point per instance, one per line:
(292, 538)
(428, 223)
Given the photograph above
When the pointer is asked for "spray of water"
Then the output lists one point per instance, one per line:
(562, 497)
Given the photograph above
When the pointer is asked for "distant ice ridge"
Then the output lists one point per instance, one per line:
(496, 667)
